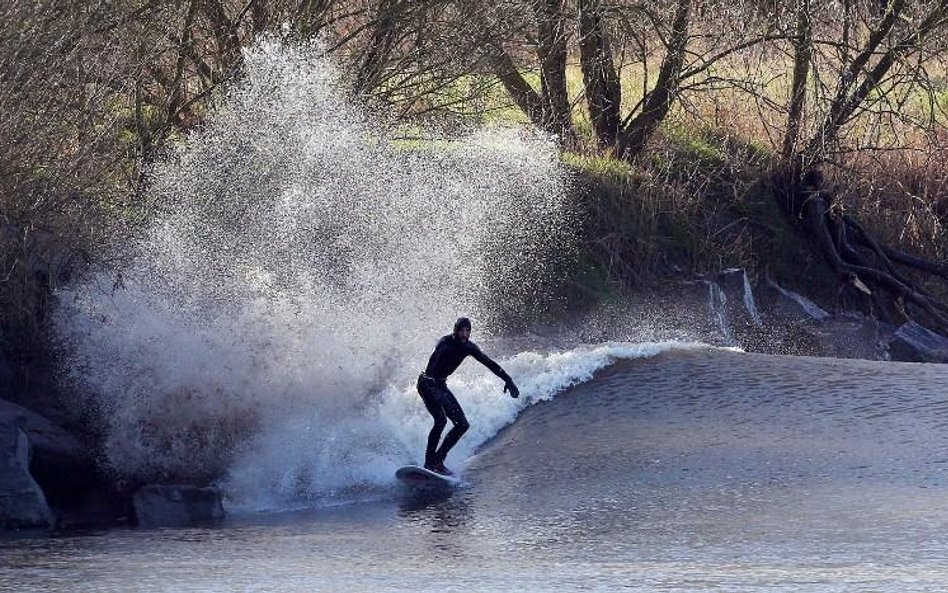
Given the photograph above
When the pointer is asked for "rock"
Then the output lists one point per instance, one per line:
(22, 503)
(60, 464)
(6, 371)
(850, 335)
(159, 505)
(731, 306)
(912, 342)
(740, 302)
(800, 327)
(788, 306)
(699, 304)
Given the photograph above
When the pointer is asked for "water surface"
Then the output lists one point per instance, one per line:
(700, 470)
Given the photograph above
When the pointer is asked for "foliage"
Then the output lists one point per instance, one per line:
(674, 109)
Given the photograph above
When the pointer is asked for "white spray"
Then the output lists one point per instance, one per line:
(299, 270)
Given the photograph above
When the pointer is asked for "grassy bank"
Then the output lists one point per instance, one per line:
(698, 203)
(695, 201)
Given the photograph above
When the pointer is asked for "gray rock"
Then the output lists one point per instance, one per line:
(44, 435)
(22, 503)
(850, 335)
(912, 342)
(698, 303)
(61, 465)
(160, 505)
(787, 305)
(731, 306)
(6, 371)
(741, 303)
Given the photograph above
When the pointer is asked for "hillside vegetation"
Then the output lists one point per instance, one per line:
(802, 139)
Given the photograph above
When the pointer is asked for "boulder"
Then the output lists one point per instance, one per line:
(161, 505)
(739, 299)
(6, 371)
(788, 306)
(850, 335)
(22, 503)
(912, 342)
(730, 307)
(699, 304)
(60, 463)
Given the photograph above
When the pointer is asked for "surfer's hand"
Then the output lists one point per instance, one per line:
(509, 386)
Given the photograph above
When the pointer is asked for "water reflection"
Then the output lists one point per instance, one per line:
(412, 500)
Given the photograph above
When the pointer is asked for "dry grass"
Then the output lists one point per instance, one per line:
(689, 203)
(902, 194)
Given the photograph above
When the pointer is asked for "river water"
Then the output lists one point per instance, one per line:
(691, 470)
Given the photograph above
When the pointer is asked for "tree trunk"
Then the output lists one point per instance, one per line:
(260, 16)
(384, 36)
(603, 91)
(634, 134)
(802, 56)
(871, 272)
(860, 260)
(517, 87)
(224, 32)
(845, 102)
(309, 17)
(552, 52)
(177, 84)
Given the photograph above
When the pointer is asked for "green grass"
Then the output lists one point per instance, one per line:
(601, 166)
(694, 144)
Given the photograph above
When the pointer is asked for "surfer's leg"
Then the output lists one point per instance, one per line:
(453, 410)
(430, 396)
(434, 436)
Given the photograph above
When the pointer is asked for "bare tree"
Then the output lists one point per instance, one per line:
(638, 126)
(802, 58)
(544, 25)
(62, 84)
(90, 96)
(600, 78)
(552, 51)
(689, 51)
(869, 84)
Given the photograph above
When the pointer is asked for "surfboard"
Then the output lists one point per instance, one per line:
(419, 477)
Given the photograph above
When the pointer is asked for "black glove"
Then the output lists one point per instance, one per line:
(509, 386)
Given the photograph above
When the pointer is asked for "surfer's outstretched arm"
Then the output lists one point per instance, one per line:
(496, 369)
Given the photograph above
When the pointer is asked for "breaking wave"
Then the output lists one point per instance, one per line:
(298, 268)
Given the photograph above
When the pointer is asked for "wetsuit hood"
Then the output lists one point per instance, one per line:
(461, 323)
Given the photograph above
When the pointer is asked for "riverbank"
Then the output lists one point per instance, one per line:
(687, 245)
(60, 482)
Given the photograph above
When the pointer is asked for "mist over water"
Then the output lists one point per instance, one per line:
(297, 274)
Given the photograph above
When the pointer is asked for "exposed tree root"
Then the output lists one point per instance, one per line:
(863, 263)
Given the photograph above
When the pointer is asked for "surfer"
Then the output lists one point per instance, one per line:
(432, 386)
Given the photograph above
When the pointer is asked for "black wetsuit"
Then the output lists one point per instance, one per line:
(433, 388)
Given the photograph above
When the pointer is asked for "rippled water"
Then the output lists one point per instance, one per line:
(690, 471)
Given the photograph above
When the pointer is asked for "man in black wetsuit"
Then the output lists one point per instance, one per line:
(439, 400)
